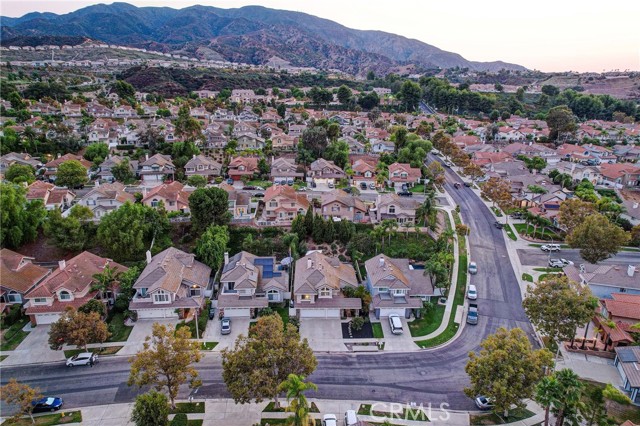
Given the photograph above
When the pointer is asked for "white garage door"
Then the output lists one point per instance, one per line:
(237, 312)
(320, 313)
(385, 312)
(42, 319)
(156, 313)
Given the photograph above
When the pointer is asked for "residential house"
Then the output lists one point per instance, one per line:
(617, 317)
(620, 176)
(324, 171)
(23, 159)
(403, 174)
(249, 283)
(627, 362)
(396, 286)
(284, 170)
(172, 195)
(105, 198)
(632, 210)
(282, 204)
(364, 172)
(604, 280)
(338, 205)
(240, 205)
(249, 141)
(69, 285)
(283, 142)
(156, 169)
(172, 285)
(296, 130)
(51, 168)
(51, 196)
(381, 147)
(243, 166)
(109, 163)
(18, 276)
(392, 206)
(318, 284)
(201, 165)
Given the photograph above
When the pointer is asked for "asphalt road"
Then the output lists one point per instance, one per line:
(536, 257)
(429, 376)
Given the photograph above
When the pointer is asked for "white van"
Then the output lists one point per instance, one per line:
(395, 324)
(350, 418)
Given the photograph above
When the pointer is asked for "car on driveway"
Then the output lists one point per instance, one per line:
(329, 420)
(498, 225)
(484, 403)
(363, 185)
(331, 185)
(473, 268)
(472, 293)
(48, 403)
(550, 247)
(212, 313)
(84, 358)
(225, 326)
(559, 263)
(372, 186)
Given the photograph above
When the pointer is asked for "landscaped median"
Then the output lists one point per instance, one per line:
(406, 414)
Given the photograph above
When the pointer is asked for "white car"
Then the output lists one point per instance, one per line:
(329, 420)
(472, 292)
(84, 358)
(559, 263)
(473, 268)
(550, 247)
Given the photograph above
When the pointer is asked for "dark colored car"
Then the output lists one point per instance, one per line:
(249, 188)
(259, 195)
(48, 403)
(467, 184)
(363, 185)
(456, 185)
(348, 190)
(498, 225)
(212, 313)
(405, 194)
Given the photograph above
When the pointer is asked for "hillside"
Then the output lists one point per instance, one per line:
(251, 34)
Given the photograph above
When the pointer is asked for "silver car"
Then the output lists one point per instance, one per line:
(225, 326)
(473, 268)
(84, 358)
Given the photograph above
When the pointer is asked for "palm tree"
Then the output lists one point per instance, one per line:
(571, 390)
(106, 280)
(547, 395)
(447, 236)
(295, 387)
(379, 232)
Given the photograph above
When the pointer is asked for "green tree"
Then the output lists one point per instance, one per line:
(18, 173)
(566, 406)
(257, 364)
(93, 305)
(209, 206)
(124, 89)
(344, 94)
(151, 409)
(314, 140)
(21, 396)
(557, 307)
(597, 238)
(533, 163)
(594, 409)
(96, 152)
(71, 232)
(547, 394)
(497, 190)
(19, 218)
(122, 172)
(78, 329)
(308, 221)
(573, 212)
(212, 245)
(197, 181)
(410, 95)
(107, 280)
(550, 90)
(298, 227)
(187, 126)
(71, 174)
(282, 110)
(505, 355)
(294, 387)
(338, 152)
(166, 361)
(561, 122)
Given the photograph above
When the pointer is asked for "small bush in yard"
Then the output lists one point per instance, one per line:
(357, 323)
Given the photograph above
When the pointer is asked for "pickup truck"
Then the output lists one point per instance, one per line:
(472, 315)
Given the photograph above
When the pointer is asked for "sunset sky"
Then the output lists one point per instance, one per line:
(549, 35)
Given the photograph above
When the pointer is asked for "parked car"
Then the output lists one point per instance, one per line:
(230, 181)
(363, 185)
(225, 326)
(472, 314)
(348, 190)
(330, 185)
(405, 194)
(484, 403)
(516, 215)
(259, 188)
(212, 313)
(473, 268)
(559, 263)
(550, 247)
(350, 418)
(259, 195)
(302, 189)
(329, 420)
(395, 324)
(48, 403)
(498, 225)
(372, 186)
(249, 188)
(84, 358)
(467, 184)
(472, 293)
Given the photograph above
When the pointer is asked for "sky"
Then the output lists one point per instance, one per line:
(548, 35)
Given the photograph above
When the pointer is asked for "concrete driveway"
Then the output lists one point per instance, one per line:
(34, 348)
(324, 335)
(397, 342)
(142, 329)
(238, 326)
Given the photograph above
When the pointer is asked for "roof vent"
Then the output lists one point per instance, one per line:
(631, 270)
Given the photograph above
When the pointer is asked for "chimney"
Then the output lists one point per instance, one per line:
(635, 205)
(631, 270)
(148, 257)
(309, 263)
(97, 183)
(226, 257)
(381, 261)
(62, 264)
(146, 156)
(194, 156)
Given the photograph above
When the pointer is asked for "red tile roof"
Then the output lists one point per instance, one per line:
(18, 273)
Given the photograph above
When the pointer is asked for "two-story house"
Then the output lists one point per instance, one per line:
(604, 280)
(325, 172)
(106, 198)
(69, 285)
(249, 283)
(249, 141)
(620, 176)
(364, 172)
(51, 196)
(283, 142)
(172, 285)
(403, 174)
(243, 166)
(156, 169)
(396, 286)
(392, 206)
(23, 159)
(282, 204)
(172, 195)
(201, 165)
(318, 284)
(240, 204)
(18, 276)
(284, 170)
(339, 205)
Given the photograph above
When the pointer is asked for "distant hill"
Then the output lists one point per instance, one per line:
(251, 34)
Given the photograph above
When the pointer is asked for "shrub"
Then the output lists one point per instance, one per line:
(294, 321)
(13, 316)
(121, 304)
(180, 419)
(93, 305)
(266, 311)
(357, 323)
(614, 394)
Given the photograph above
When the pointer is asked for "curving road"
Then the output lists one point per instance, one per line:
(430, 376)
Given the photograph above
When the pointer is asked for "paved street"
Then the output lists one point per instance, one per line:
(535, 257)
(427, 376)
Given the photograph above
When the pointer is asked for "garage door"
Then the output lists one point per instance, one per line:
(621, 371)
(385, 312)
(42, 319)
(320, 313)
(238, 312)
(157, 313)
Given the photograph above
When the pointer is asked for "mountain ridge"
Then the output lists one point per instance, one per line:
(250, 34)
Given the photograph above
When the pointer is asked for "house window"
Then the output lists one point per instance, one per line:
(392, 209)
(161, 297)
(231, 286)
(623, 290)
(14, 297)
(383, 290)
(273, 295)
(155, 203)
(325, 292)
(64, 295)
(40, 300)
(306, 297)
(195, 291)
(143, 292)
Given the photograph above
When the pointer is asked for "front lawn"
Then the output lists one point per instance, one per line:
(527, 277)
(496, 211)
(188, 407)
(283, 312)
(407, 413)
(108, 350)
(48, 419)
(487, 419)
(429, 322)
(263, 183)
(14, 335)
(207, 346)
(377, 330)
(119, 331)
(547, 269)
(510, 232)
(417, 188)
(540, 234)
